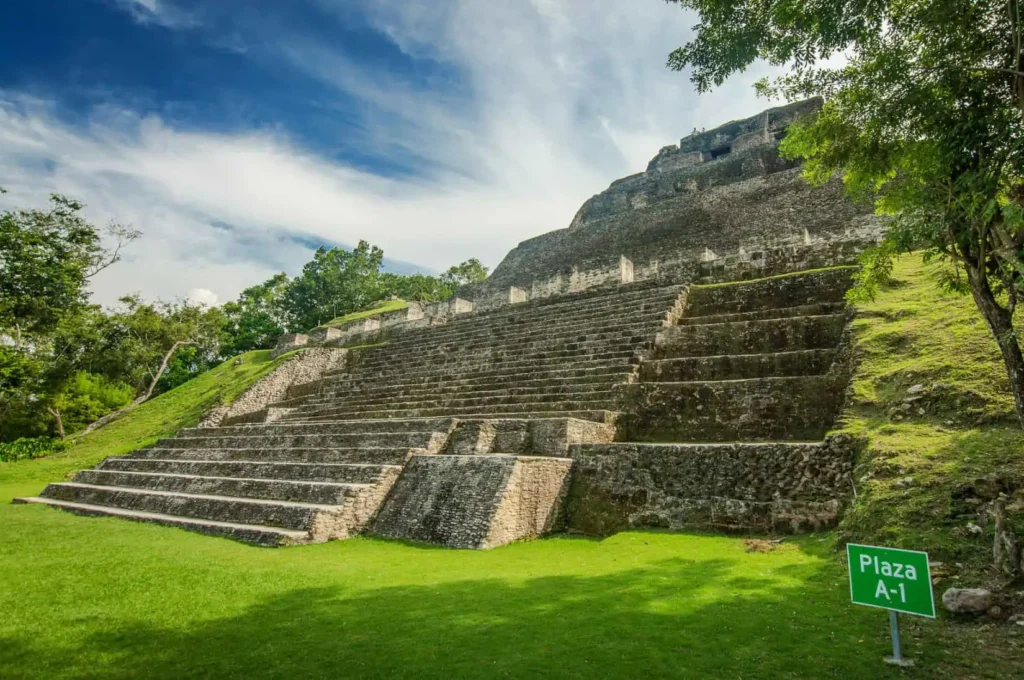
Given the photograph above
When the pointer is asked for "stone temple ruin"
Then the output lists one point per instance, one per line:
(673, 359)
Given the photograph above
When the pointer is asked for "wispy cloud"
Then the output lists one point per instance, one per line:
(160, 12)
(548, 102)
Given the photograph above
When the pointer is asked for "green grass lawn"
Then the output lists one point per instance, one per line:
(106, 598)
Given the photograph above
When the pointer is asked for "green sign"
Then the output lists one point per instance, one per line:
(890, 578)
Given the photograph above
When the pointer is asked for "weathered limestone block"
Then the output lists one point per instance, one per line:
(625, 269)
(751, 140)
(801, 407)
(752, 337)
(767, 486)
(474, 501)
(324, 334)
(288, 342)
(779, 291)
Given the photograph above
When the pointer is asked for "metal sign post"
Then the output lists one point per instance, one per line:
(892, 579)
(894, 632)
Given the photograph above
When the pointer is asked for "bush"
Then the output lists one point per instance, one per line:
(27, 449)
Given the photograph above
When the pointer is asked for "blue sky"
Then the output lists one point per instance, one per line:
(239, 134)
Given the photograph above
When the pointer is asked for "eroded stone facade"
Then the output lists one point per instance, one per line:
(594, 382)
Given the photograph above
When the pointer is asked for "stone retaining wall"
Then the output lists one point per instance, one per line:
(768, 486)
(474, 501)
(253, 405)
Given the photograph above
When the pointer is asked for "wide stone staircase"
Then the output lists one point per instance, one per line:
(561, 357)
(726, 429)
(455, 433)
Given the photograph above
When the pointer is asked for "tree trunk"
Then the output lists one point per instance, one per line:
(152, 385)
(60, 421)
(1000, 323)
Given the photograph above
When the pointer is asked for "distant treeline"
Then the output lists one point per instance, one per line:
(66, 363)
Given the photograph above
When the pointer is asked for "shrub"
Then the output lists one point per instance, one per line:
(29, 448)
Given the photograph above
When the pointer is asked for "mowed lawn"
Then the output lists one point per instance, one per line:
(107, 598)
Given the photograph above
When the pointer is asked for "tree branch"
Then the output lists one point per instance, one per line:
(152, 386)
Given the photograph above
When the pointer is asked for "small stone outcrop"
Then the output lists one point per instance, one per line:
(967, 600)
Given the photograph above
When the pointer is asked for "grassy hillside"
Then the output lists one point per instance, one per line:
(159, 417)
(932, 399)
(387, 306)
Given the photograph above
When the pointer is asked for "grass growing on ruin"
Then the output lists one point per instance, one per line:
(108, 598)
(387, 306)
(159, 417)
(931, 396)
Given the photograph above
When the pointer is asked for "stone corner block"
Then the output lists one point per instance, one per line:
(288, 342)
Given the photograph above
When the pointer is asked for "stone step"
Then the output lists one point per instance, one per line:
(556, 326)
(269, 439)
(769, 486)
(504, 372)
(281, 514)
(343, 473)
(367, 426)
(599, 413)
(751, 337)
(461, 397)
(738, 366)
(759, 409)
(375, 455)
(463, 332)
(505, 348)
(511, 357)
(247, 533)
(499, 364)
(531, 333)
(825, 285)
(440, 386)
(297, 491)
(816, 309)
(568, 307)
(446, 405)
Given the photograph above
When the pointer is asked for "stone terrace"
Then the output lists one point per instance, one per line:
(736, 401)
(438, 403)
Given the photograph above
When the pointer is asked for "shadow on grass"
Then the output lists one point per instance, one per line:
(675, 618)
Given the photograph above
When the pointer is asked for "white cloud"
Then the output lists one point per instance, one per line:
(556, 99)
(157, 12)
(202, 296)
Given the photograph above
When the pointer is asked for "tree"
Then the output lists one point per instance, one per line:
(335, 282)
(46, 260)
(257, 318)
(142, 342)
(924, 118)
(424, 288)
(470, 271)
